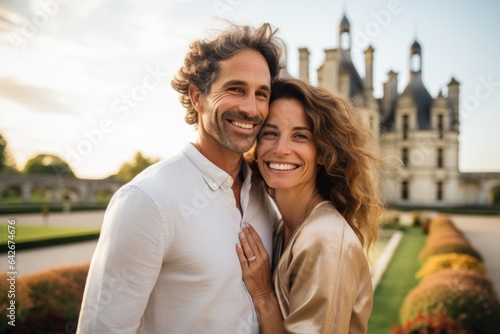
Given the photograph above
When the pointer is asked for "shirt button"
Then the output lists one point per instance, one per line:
(232, 201)
(228, 182)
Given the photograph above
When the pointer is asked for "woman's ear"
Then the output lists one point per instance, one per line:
(196, 98)
(321, 160)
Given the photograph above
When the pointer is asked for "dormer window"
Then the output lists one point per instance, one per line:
(406, 126)
(440, 126)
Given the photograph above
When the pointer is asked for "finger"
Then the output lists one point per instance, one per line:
(254, 239)
(247, 249)
(241, 257)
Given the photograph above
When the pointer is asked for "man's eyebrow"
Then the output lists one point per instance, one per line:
(243, 83)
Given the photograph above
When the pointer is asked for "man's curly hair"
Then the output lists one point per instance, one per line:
(201, 64)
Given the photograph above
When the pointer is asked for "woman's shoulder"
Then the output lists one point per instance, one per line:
(324, 217)
(326, 224)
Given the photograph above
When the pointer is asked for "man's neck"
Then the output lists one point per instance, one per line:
(227, 160)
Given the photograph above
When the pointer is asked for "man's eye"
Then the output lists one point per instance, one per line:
(262, 94)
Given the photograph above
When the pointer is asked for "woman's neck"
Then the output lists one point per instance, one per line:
(295, 207)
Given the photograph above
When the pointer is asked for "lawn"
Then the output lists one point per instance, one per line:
(396, 282)
(35, 236)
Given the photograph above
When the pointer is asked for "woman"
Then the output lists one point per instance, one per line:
(317, 162)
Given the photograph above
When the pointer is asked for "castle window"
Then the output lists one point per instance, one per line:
(439, 191)
(404, 190)
(406, 126)
(405, 157)
(440, 126)
(440, 160)
(371, 123)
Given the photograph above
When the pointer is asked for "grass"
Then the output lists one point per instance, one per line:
(396, 282)
(35, 236)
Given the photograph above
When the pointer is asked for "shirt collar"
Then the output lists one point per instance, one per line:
(213, 175)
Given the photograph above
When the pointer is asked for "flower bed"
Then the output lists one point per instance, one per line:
(454, 294)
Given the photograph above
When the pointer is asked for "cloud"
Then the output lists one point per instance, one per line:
(9, 21)
(32, 97)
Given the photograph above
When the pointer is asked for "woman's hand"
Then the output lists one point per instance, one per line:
(254, 261)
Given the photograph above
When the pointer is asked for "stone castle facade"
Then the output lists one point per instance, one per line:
(421, 130)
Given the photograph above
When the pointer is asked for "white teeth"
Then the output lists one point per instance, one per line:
(276, 166)
(242, 125)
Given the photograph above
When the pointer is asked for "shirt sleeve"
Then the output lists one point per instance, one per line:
(330, 283)
(125, 266)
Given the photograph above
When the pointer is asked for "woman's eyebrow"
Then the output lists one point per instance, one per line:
(270, 125)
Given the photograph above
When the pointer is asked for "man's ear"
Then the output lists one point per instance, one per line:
(196, 98)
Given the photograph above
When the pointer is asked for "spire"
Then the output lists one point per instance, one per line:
(344, 25)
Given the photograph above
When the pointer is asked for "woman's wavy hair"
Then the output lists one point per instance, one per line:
(348, 162)
(202, 62)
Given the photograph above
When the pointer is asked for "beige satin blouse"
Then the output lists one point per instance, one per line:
(322, 279)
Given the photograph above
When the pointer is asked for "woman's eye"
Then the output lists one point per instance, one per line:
(301, 136)
(268, 134)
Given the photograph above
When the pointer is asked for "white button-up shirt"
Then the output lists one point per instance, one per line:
(166, 259)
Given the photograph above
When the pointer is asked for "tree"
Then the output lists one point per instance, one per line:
(496, 194)
(130, 169)
(7, 162)
(48, 164)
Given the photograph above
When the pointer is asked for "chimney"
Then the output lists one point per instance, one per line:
(304, 64)
(390, 91)
(369, 69)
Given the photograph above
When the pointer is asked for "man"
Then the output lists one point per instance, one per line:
(165, 261)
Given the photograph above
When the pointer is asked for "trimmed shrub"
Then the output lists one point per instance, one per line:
(58, 291)
(441, 240)
(449, 248)
(46, 302)
(450, 260)
(459, 276)
(439, 221)
(435, 323)
(461, 298)
(23, 302)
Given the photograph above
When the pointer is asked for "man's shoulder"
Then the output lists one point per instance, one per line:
(164, 173)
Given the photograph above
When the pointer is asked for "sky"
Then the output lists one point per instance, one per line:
(89, 81)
